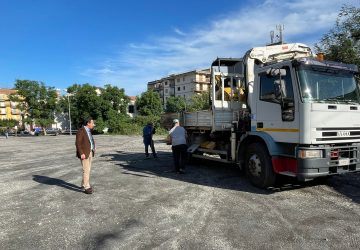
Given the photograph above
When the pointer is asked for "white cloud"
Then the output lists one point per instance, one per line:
(231, 35)
(179, 32)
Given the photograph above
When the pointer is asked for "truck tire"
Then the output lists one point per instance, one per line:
(258, 166)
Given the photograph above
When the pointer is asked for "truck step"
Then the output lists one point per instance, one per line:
(211, 158)
(193, 148)
(213, 151)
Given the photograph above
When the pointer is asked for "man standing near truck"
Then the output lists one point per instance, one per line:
(148, 132)
(178, 137)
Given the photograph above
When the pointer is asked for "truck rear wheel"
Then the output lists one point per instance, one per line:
(259, 167)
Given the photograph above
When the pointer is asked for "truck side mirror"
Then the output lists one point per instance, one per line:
(280, 89)
(276, 72)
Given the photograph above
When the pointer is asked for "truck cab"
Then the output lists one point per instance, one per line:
(307, 114)
(280, 110)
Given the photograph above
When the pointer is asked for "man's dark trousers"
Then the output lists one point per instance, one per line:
(180, 155)
(149, 142)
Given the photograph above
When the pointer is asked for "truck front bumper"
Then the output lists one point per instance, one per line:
(335, 160)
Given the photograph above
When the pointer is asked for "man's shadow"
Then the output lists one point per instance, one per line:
(53, 181)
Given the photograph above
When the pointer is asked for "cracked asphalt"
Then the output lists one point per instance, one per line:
(140, 203)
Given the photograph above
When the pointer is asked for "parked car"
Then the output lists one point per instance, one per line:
(67, 132)
(53, 131)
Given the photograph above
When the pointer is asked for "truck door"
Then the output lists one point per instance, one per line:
(276, 109)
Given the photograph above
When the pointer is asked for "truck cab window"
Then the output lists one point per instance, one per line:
(318, 84)
(277, 88)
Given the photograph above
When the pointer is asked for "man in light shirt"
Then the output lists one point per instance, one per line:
(178, 137)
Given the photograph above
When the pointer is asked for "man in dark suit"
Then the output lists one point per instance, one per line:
(85, 151)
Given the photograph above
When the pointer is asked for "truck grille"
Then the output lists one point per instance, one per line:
(337, 134)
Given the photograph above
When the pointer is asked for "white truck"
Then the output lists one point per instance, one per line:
(279, 110)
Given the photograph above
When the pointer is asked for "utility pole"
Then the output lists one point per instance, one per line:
(68, 96)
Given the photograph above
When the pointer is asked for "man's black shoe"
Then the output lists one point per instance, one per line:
(88, 190)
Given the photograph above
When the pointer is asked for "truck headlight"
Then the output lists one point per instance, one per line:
(310, 153)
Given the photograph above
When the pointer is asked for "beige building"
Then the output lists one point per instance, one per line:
(184, 84)
(8, 109)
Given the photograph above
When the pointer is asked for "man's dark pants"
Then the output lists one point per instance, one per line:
(147, 143)
(180, 156)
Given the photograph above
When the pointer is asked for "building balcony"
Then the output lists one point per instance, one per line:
(203, 82)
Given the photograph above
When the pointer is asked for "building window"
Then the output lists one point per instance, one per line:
(166, 83)
(178, 80)
(166, 91)
(131, 109)
(184, 79)
(178, 88)
(184, 96)
(183, 87)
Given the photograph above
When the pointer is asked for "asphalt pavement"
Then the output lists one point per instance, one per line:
(141, 203)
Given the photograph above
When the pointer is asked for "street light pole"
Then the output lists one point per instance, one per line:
(68, 96)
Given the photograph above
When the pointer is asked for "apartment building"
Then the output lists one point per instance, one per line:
(8, 109)
(184, 84)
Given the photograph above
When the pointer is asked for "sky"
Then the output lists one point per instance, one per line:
(129, 43)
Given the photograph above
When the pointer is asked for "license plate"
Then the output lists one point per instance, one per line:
(344, 161)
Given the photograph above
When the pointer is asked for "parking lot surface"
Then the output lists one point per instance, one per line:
(140, 203)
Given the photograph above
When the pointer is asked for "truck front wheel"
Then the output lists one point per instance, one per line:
(258, 166)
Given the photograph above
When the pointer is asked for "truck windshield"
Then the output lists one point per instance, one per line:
(327, 85)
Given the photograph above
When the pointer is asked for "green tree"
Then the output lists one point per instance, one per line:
(106, 105)
(118, 123)
(38, 103)
(114, 98)
(342, 43)
(175, 104)
(199, 102)
(84, 102)
(149, 103)
(8, 123)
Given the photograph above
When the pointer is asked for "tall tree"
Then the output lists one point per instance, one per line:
(38, 103)
(175, 104)
(149, 104)
(342, 43)
(84, 102)
(199, 102)
(114, 98)
(106, 105)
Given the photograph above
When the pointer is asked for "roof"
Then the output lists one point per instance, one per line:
(226, 61)
(8, 91)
